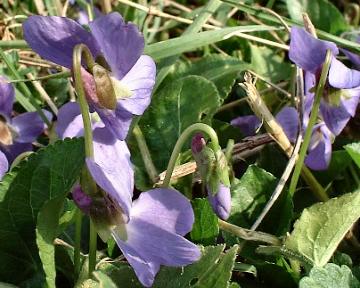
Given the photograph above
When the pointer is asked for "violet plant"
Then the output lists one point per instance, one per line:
(144, 175)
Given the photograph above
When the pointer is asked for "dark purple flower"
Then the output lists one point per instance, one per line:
(17, 133)
(119, 43)
(218, 193)
(248, 124)
(319, 151)
(287, 117)
(342, 91)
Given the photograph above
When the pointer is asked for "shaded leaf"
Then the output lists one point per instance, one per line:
(354, 151)
(205, 228)
(45, 175)
(46, 232)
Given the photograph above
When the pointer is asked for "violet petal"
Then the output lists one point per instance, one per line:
(140, 80)
(14, 150)
(154, 244)
(319, 153)
(343, 77)
(118, 121)
(54, 38)
(172, 209)
(111, 168)
(69, 121)
(221, 201)
(29, 126)
(121, 44)
(247, 124)
(288, 118)
(4, 165)
(7, 95)
(308, 52)
(145, 271)
(335, 117)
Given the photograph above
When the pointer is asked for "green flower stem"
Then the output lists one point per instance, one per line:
(86, 181)
(29, 101)
(78, 224)
(92, 248)
(145, 154)
(249, 235)
(309, 129)
(79, 51)
(197, 127)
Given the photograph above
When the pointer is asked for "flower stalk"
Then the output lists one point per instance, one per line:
(197, 127)
(309, 129)
(81, 50)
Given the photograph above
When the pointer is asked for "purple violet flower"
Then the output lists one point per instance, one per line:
(220, 200)
(4, 165)
(342, 91)
(17, 133)
(111, 39)
(319, 151)
(150, 230)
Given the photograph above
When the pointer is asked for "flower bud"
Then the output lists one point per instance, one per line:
(221, 201)
(82, 200)
(104, 87)
(103, 211)
(214, 173)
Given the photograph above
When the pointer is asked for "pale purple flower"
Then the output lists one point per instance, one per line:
(342, 91)
(17, 133)
(150, 230)
(4, 165)
(110, 38)
(220, 200)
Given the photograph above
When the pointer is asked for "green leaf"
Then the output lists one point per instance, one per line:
(354, 151)
(267, 63)
(205, 228)
(221, 70)
(175, 107)
(212, 270)
(323, 14)
(330, 276)
(104, 280)
(47, 174)
(193, 41)
(46, 232)
(320, 228)
(250, 195)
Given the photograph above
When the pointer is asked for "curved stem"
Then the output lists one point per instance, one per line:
(309, 129)
(182, 140)
(79, 51)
